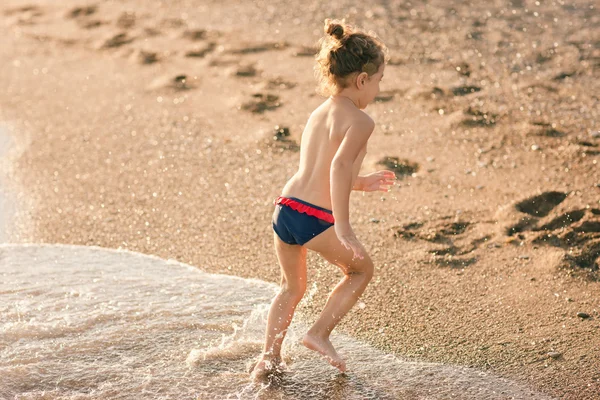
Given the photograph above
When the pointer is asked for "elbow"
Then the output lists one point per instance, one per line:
(340, 165)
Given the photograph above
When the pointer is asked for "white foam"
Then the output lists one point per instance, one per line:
(92, 323)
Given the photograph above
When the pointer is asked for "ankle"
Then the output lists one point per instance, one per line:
(318, 333)
(269, 355)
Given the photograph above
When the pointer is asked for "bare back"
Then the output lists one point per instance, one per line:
(322, 136)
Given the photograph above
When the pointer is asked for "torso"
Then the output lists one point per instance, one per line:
(321, 139)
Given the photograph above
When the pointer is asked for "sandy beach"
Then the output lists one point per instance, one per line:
(162, 128)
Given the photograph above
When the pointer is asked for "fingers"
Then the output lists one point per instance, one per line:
(356, 249)
(385, 186)
(357, 254)
(388, 174)
(354, 245)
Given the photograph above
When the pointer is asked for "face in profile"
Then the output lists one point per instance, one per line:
(371, 87)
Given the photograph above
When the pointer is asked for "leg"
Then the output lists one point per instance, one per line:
(357, 274)
(292, 259)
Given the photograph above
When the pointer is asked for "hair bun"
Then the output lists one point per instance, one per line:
(334, 29)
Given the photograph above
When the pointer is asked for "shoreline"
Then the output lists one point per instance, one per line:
(125, 154)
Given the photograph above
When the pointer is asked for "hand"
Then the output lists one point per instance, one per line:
(378, 181)
(348, 239)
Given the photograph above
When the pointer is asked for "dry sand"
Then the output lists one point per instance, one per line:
(149, 126)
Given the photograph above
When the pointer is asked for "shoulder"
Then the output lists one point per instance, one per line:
(364, 119)
(361, 121)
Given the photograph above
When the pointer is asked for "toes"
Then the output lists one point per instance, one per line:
(338, 363)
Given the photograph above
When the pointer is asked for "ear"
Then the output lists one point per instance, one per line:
(361, 79)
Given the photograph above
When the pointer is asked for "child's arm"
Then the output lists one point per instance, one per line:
(341, 180)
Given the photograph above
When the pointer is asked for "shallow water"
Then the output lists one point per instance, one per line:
(92, 323)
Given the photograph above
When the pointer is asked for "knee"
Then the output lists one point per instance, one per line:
(369, 271)
(365, 269)
(295, 291)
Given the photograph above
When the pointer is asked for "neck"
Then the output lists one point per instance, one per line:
(347, 97)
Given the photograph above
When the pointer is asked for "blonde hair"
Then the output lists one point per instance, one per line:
(343, 52)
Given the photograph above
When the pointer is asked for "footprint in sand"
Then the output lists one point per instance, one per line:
(259, 48)
(452, 250)
(79, 12)
(535, 207)
(278, 84)
(453, 262)
(305, 51)
(444, 101)
(436, 233)
(573, 227)
(280, 139)
(173, 23)
(386, 95)
(542, 204)
(463, 69)
(544, 56)
(261, 102)
(584, 260)
(117, 40)
(246, 71)
(448, 257)
(26, 15)
(564, 75)
(126, 20)
(588, 227)
(177, 83)
(224, 61)
(475, 35)
(407, 231)
(562, 221)
(397, 60)
(195, 34)
(436, 93)
(545, 129)
(152, 31)
(20, 10)
(577, 231)
(465, 90)
(443, 233)
(541, 88)
(478, 118)
(523, 224)
(145, 57)
(91, 24)
(401, 167)
(589, 148)
(202, 50)
(454, 228)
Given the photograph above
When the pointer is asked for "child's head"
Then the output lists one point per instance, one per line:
(346, 55)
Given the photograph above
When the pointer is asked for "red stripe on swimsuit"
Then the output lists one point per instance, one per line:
(303, 208)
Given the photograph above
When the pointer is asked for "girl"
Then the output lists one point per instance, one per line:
(350, 66)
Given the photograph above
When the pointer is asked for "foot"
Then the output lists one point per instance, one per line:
(265, 366)
(323, 346)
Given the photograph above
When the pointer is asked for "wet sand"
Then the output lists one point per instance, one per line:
(151, 128)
